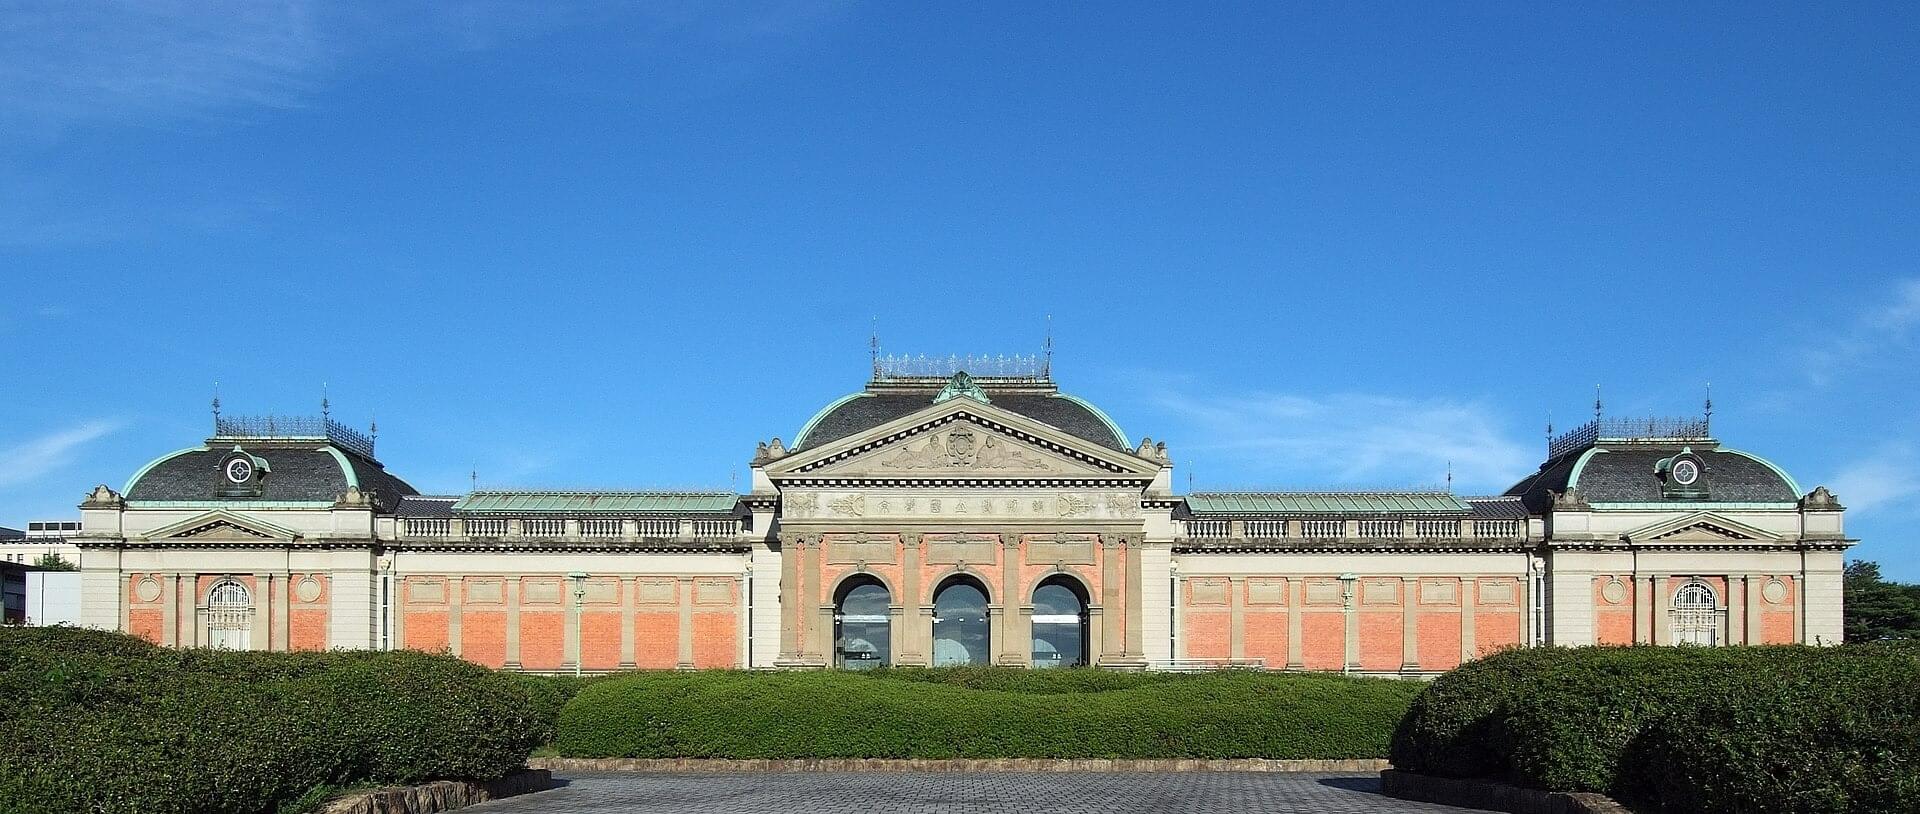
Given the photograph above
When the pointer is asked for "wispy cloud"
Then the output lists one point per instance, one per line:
(69, 63)
(1889, 327)
(29, 460)
(1356, 439)
(1888, 477)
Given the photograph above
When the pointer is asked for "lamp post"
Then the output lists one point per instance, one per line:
(1348, 653)
(579, 596)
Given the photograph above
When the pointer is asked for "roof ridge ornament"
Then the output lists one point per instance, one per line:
(961, 386)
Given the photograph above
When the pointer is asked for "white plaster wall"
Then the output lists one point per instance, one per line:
(765, 568)
(1156, 598)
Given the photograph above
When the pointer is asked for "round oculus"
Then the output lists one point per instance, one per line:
(239, 470)
(1685, 472)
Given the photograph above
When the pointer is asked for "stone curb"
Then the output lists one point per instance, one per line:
(440, 795)
(716, 765)
(1495, 796)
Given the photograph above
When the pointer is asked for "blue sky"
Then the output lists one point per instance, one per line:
(596, 247)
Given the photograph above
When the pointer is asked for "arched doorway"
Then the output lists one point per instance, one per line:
(1696, 615)
(1059, 623)
(960, 631)
(862, 625)
(229, 616)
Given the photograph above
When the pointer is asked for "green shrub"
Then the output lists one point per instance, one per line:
(946, 714)
(549, 694)
(102, 722)
(1783, 728)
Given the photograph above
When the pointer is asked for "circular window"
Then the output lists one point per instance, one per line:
(239, 470)
(1685, 472)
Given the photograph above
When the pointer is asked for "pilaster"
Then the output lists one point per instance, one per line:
(512, 587)
(456, 604)
(686, 623)
(1409, 624)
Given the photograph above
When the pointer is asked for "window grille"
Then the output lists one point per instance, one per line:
(229, 615)
(1696, 615)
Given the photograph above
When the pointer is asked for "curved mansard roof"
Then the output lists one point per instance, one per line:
(865, 410)
(1625, 473)
(297, 472)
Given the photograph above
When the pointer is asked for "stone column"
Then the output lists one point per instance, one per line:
(629, 597)
(1135, 646)
(187, 614)
(1008, 616)
(790, 599)
(170, 610)
(1662, 605)
(1409, 624)
(816, 624)
(1236, 618)
(572, 607)
(1094, 625)
(1469, 601)
(686, 624)
(911, 624)
(456, 598)
(1756, 632)
(1643, 608)
(283, 613)
(261, 636)
(1296, 602)
(1737, 609)
(397, 607)
(1110, 600)
(1350, 608)
(512, 587)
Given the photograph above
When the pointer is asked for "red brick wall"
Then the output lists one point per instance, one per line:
(1323, 640)
(307, 621)
(1495, 631)
(656, 639)
(542, 639)
(1266, 637)
(1207, 634)
(147, 623)
(1439, 639)
(483, 636)
(1380, 640)
(714, 642)
(599, 639)
(426, 630)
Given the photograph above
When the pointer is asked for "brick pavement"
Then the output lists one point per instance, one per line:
(984, 793)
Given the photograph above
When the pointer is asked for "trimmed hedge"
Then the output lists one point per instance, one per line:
(1780, 728)
(103, 722)
(983, 713)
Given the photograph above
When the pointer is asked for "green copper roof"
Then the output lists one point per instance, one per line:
(548, 502)
(1325, 503)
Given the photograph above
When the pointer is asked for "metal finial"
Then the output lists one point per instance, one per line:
(216, 403)
(473, 480)
(1709, 422)
(373, 428)
(1596, 402)
(1046, 367)
(1449, 477)
(873, 346)
(326, 407)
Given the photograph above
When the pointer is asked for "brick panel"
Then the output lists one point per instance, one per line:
(599, 640)
(1323, 641)
(483, 637)
(147, 624)
(1493, 632)
(714, 644)
(656, 640)
(426, 631)
(543, 643)
(307, 628)
(1266, 635)
(1380, 641)
(1439, 637)
(1207, 633)
(1613, 627)
(1776, 627)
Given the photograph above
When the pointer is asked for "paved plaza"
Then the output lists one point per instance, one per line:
(985, 793)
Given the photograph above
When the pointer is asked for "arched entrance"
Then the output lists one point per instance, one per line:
(960, 631)
(1696, 615)
(1059, 623)
(229, 616)
(862, 625)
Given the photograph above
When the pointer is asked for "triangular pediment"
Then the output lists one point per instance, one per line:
(222, 526)
(963, 438)
(1701, 527)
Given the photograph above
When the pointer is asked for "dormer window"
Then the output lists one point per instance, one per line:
(242, 474)
(1683, 476)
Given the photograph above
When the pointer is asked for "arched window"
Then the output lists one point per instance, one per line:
(1696, 615)
(862, 625)
(229, 615)
(960, 632)
(1059, 624)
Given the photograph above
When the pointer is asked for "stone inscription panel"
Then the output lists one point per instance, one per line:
(961, 505)
(948, 552)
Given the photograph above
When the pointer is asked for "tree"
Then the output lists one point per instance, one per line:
(52, 561)
(1878, 609)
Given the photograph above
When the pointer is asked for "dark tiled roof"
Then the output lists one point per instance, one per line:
(871, 410)
(1497, 508)
(425, 506)
(297, 473)
(1625, 474)
(11, 534)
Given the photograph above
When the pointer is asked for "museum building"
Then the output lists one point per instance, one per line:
(961, 511)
